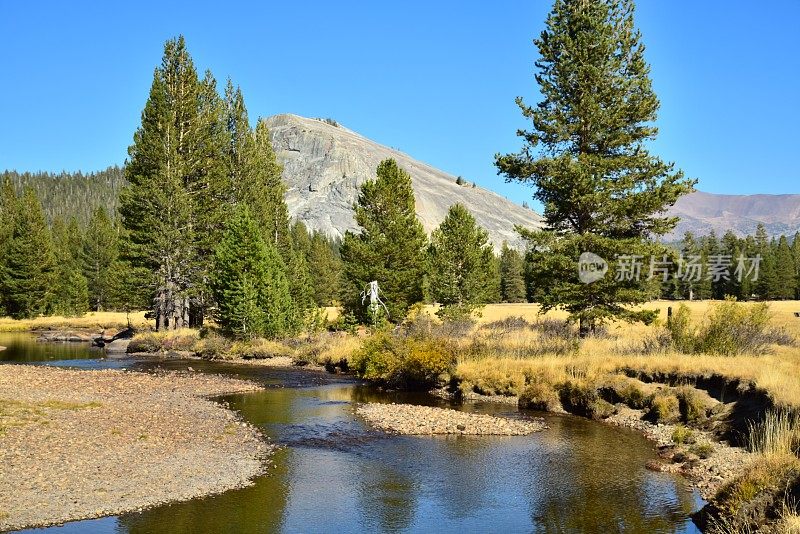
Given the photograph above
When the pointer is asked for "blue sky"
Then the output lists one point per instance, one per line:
(437, 82)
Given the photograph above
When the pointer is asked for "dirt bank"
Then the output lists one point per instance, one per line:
(80, 444)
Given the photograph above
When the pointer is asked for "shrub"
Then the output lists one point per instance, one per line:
(735, 329)
(213, 347)
(180, 342)
(259, 349)
(682, 435)
(345, 322)
(540, 396)
(581, 397)
(509, 323)
(703, 450)
(691, 405)
(553, 328)
(731, 329)
(682, 334)
(627, 391)
(145, 342)
(403, 361)
(664, 408)
(633, 396)
(456, 327)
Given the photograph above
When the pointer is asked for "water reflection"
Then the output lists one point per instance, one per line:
(23, 347)
(335, 474)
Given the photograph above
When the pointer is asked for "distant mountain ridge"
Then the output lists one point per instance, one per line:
(326, 163)
(702, 212)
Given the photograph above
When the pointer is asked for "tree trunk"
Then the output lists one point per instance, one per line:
(587, 327)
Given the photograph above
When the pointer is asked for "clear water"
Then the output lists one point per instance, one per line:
(335, 474)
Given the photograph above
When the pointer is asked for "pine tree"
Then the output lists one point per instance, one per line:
(785, 276)
(70, 290)
(8, 210)
(765, 284)
(711, 286)
(325, 268)
(748, 252)
(27, 278)
(731, 249)
(512, 281)
(390, 248)
(462, 264)
(300, 283)
(255, 174)
(100, 261)
(170, 208)
(249, 283)
(796, 254)
(691, 254)
(602, 191)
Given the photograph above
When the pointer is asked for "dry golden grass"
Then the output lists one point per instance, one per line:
(91, 321)
(509, 359)
(790, 523)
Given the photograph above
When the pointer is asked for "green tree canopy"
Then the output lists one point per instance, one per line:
(172, 209)
(512, 275)
(249, 284)
(587, 159)
(462, 269)
(100, 260)
(70, 291)
(390, 248)
(29, 262)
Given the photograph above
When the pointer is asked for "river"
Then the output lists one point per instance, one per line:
(335, 474)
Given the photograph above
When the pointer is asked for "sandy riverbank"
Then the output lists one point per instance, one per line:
(80, 444)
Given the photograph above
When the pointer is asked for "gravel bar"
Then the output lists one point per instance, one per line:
(81, 444)
(426, 420)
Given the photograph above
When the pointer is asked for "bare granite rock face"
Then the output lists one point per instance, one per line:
(325, 165)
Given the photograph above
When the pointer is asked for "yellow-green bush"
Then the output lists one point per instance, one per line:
(664, 408)
(259, 349)
(731, 328)
(176, 340)
(213, 347)
(405, 362)
(539, 395)
(682, 435)
(691, 405)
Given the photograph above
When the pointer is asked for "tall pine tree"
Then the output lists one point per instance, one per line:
(170, 208)
(70, 290)
(785, 276)
(512, 281)
(249, 283)
(389, 249)
(100, 261)
(587, 159)
(462, 264)
(29, 263)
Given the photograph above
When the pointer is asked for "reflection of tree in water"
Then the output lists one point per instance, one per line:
(387, 497)
(258, 508)
(598, 484)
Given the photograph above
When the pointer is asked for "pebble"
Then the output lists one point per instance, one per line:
(427, 420)
(131, 441)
